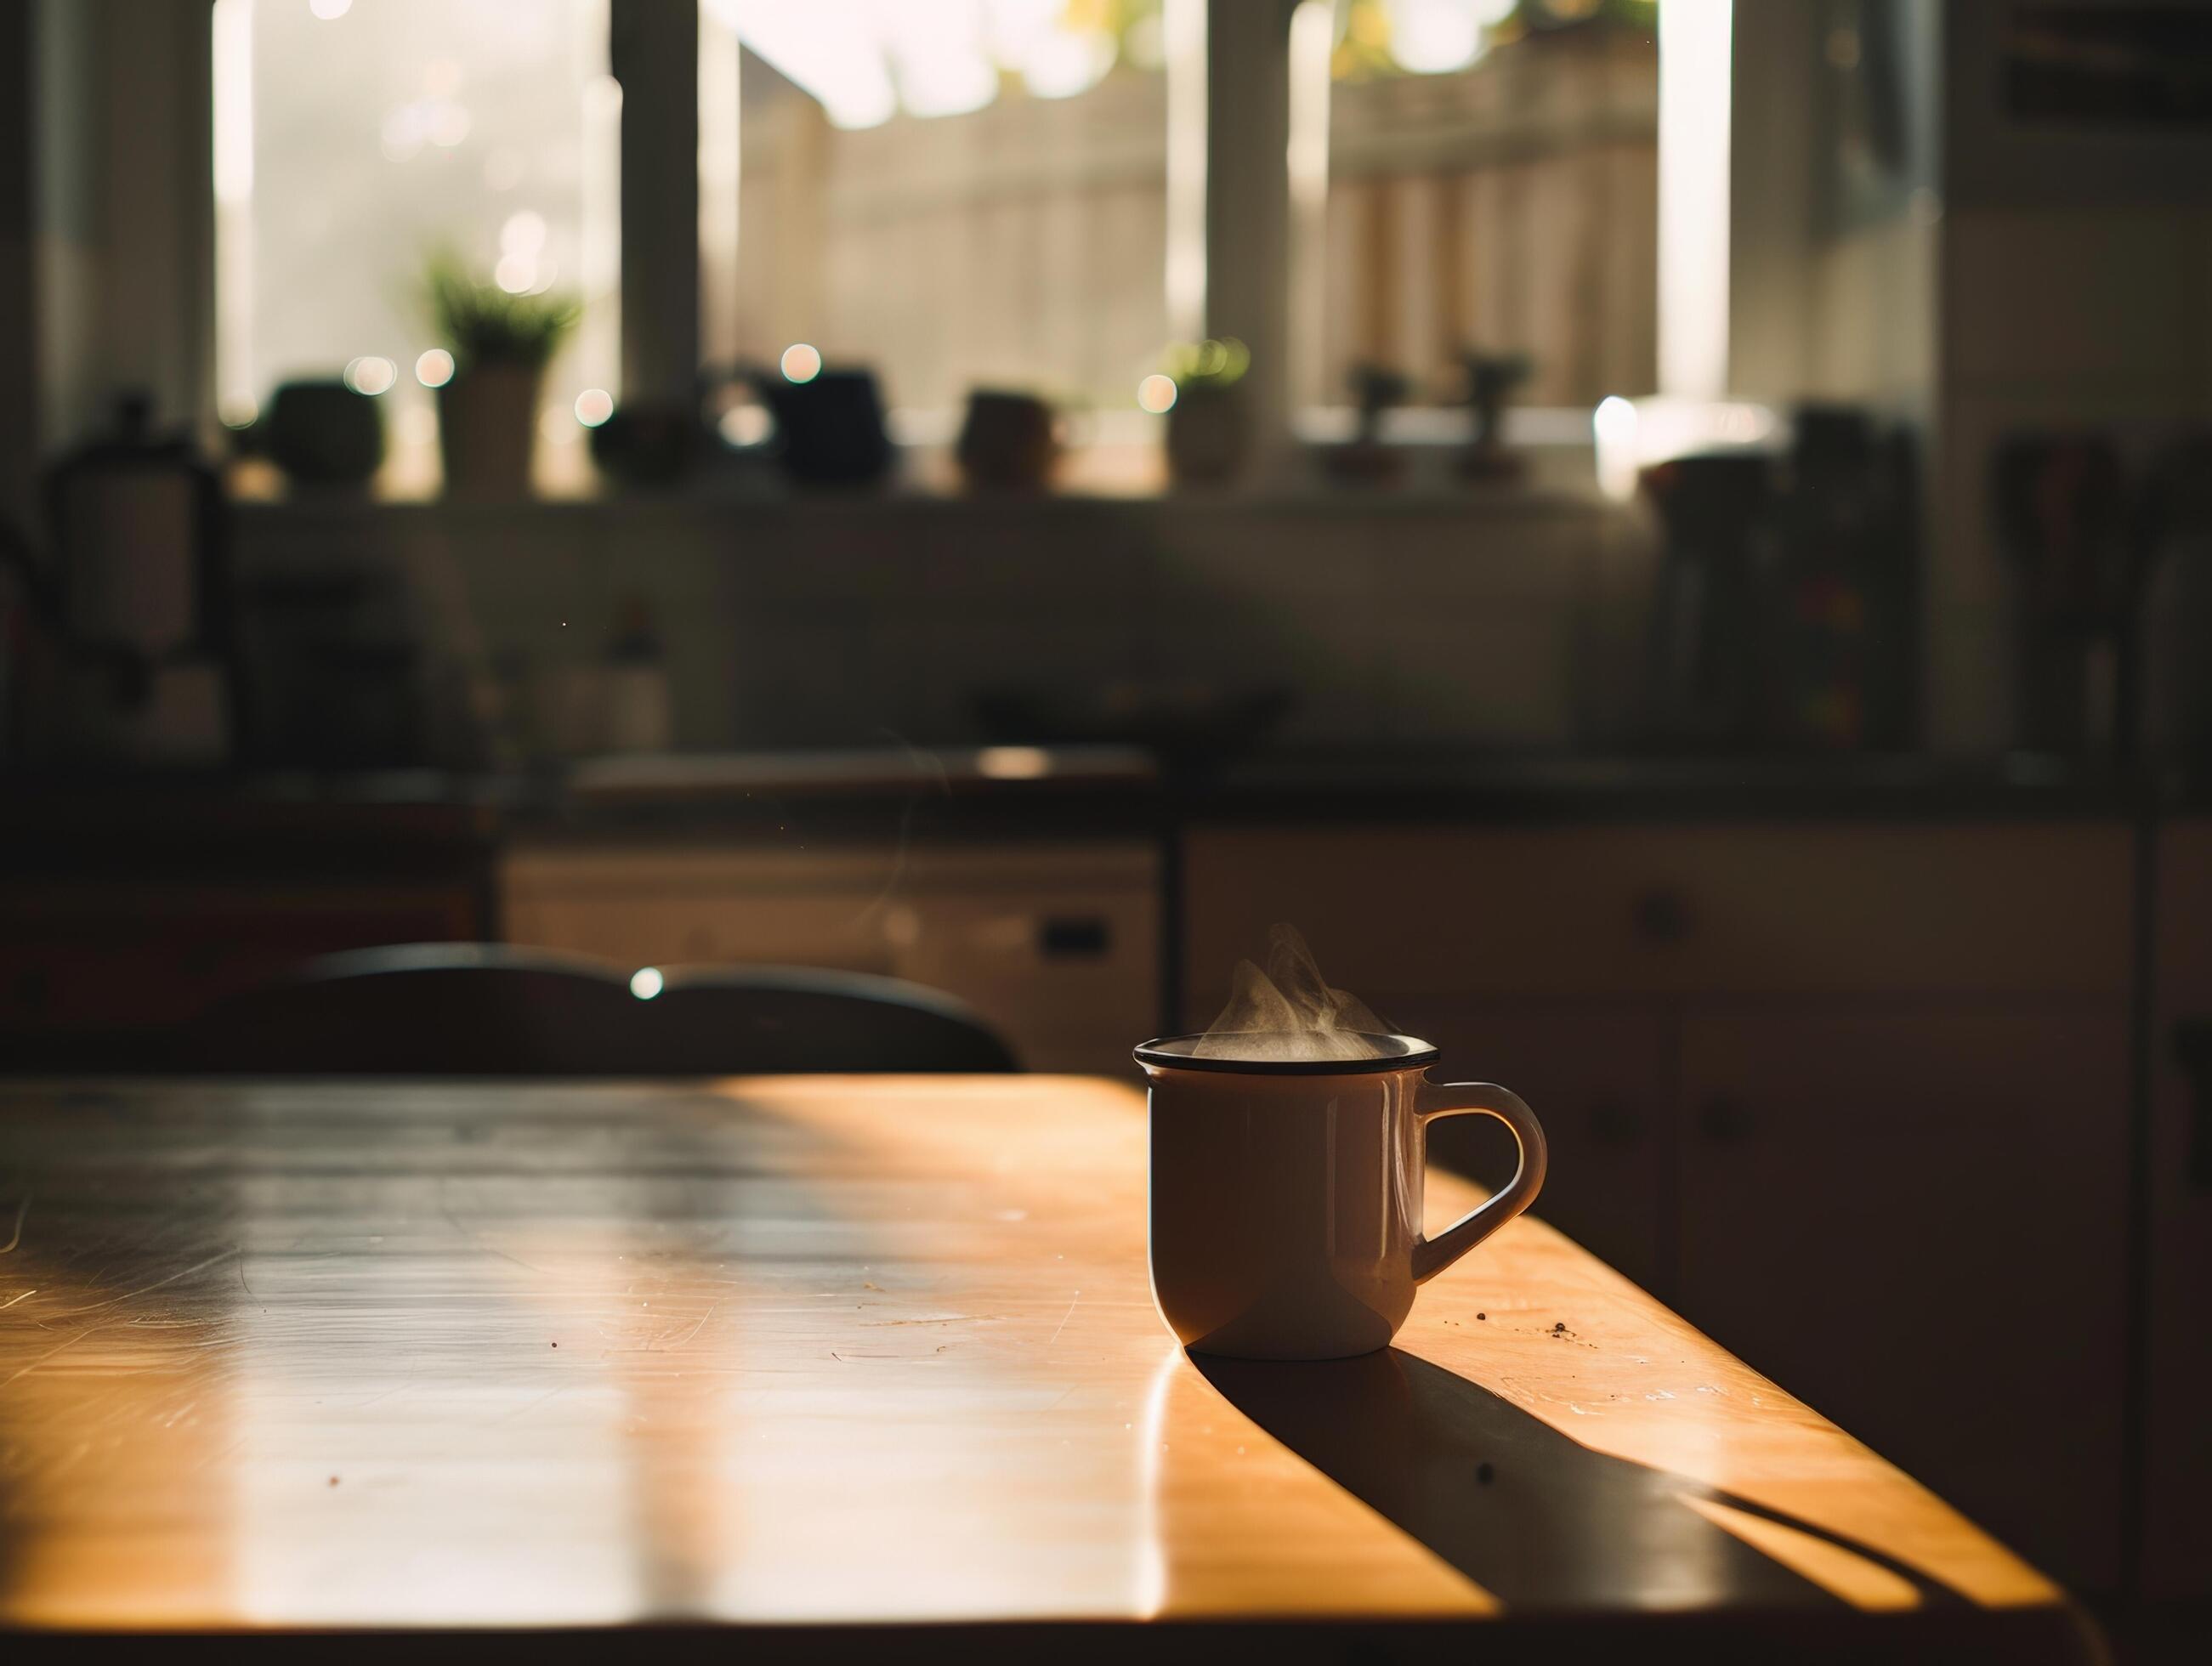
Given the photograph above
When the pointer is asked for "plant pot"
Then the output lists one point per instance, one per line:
(1209, 432)
(830, 428)
(323, 434)
(1008, 443)
(648, 445)
(488, 430)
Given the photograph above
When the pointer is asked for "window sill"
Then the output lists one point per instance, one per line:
(1558, 475)
(1476, 501)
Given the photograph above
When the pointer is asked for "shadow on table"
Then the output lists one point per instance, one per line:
(1533, 1516)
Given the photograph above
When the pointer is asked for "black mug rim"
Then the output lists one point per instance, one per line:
(1418, 1055)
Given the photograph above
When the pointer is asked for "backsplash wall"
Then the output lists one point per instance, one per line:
(1513, 622)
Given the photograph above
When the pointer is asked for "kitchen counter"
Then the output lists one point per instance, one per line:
(1082, 788)
(1001, 790)
(846, 1362)
(1447, 787)
(1059, 781)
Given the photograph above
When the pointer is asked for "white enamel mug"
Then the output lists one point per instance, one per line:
(1286, 1195)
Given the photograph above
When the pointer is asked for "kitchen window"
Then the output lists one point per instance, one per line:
(358, 141)
(1491, 188)
(955, 193)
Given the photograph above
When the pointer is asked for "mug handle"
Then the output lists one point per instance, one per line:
(1435, 1099)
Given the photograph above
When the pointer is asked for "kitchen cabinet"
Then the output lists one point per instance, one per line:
(126, 911)
(642, 905)
(1599, 1072)
(2176, 1544)
(96, 974)
(1855, 1097)
(1057, 944)
(1918, 1212)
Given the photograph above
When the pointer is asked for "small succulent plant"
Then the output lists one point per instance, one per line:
(1208, 363)
(483, 324)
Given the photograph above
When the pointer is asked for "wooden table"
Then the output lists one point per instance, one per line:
(839, 1353)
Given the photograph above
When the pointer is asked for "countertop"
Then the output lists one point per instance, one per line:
(839, 1355)
(1066, 791)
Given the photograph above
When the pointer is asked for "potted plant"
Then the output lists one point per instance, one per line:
(1009, 442)
(1209, 431)
(1375, 389)
(488, 409)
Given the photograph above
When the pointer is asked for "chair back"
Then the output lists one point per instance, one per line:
(488, 1009)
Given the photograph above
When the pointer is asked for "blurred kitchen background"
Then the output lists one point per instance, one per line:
(1673, 539)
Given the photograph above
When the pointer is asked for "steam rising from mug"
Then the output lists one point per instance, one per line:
(1286, 1012)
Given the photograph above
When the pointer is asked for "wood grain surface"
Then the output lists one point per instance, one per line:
(838, 1352)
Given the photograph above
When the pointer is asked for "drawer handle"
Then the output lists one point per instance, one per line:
(1662, 915)
(1725, 1122)
(1074, 938)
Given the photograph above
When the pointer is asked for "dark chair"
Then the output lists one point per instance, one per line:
(487, 1009)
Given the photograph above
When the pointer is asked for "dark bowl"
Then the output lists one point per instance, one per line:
(323, 434)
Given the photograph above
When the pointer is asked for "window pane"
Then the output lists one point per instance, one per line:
(1492, 186)
(356, 139)
(956, 193)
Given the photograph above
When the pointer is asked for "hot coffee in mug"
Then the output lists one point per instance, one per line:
(1286, 1191)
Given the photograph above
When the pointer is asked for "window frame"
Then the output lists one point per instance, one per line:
(1252, 286)
(1243, 180)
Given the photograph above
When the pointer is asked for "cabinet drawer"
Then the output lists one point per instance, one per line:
(839, 932)
(1058, 946)
(1081, 962)
(1726, 909)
